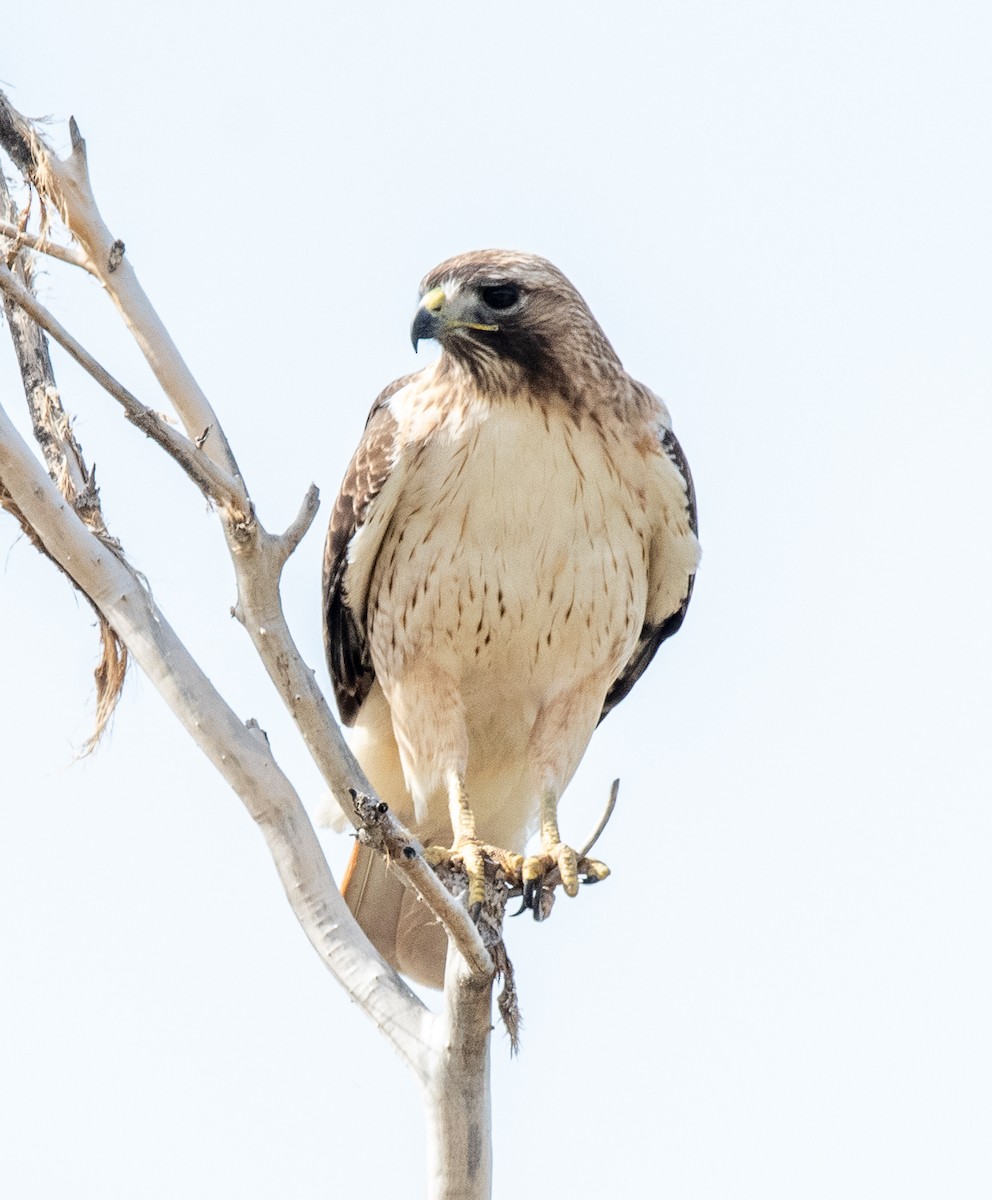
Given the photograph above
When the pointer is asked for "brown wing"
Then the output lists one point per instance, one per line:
(345, 634)
(654, 633)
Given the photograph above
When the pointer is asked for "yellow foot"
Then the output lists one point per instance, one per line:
(472, 854)
(557, 864)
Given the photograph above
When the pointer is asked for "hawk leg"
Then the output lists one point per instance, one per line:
(555, 856)
(469, 851)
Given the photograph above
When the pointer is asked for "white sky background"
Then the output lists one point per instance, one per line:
(780, 213)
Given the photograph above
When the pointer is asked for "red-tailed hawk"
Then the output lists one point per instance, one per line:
(514, 538)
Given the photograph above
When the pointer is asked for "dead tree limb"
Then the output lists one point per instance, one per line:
(448, 1052)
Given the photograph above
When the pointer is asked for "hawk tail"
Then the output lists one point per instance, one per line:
(399, 925)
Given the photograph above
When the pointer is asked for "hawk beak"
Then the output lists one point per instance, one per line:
(436, 315)
(427, 323)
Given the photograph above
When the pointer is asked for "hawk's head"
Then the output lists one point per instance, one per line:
(513, 319)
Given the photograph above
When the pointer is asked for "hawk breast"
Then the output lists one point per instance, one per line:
(516, 557)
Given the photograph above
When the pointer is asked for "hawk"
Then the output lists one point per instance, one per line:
(513, 540)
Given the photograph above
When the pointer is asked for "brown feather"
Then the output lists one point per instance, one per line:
(345, 633)
(653, 635)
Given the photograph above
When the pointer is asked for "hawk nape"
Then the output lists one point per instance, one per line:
(514, 538)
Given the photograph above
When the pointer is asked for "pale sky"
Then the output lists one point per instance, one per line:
(780, 214)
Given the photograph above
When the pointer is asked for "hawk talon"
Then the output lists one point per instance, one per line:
(532, 896)
(542, 874)
(592, 870)
(556, 859)
(538, 896)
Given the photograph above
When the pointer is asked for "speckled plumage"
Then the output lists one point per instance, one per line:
(515, 537)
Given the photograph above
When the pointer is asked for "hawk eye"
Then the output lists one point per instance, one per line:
(500, 296)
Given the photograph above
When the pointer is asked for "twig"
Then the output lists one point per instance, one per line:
(66, 254)
(65, 184)
(208, 476)
(611, 804)
(297, 530)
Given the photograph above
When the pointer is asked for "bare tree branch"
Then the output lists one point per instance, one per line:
(211, 479)
(65, 184)
(67, 468)
(381, 830)
(258, 556)
(258, 561)
(240, 754)
(43, 245)
(457, 1094)
(450, 1053)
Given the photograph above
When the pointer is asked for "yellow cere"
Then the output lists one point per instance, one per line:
(433, 300)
